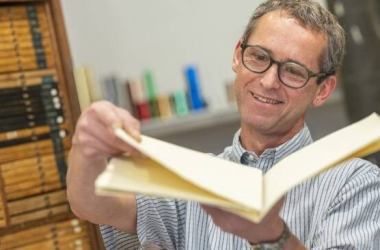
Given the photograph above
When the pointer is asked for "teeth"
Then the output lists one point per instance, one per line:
(266, 100)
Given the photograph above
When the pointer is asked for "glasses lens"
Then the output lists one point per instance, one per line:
(293, 75)
(256, 59)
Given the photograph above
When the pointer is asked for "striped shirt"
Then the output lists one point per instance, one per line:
(338, 209)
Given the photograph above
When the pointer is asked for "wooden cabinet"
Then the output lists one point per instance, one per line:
(38, 110)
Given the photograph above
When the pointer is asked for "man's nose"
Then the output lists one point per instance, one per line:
(269, 78)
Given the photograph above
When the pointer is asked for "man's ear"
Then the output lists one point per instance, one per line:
(325, 89)
(237, 55)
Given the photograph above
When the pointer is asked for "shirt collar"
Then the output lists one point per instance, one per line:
(300, 140)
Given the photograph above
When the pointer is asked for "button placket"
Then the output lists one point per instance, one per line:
(251, 158)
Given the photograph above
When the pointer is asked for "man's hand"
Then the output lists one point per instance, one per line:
(93, 142)
(94, 135)
(269, 229)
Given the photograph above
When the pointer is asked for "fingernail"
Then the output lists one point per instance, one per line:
(116, 125)
(136, 135)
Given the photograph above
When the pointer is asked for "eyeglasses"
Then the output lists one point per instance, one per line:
(291, 74)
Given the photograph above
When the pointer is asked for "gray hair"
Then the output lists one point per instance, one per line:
(313, 16)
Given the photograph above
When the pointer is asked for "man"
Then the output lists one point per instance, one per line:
(286, 61)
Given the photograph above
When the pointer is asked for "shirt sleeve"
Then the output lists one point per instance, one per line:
(352, 220)
(160, 224)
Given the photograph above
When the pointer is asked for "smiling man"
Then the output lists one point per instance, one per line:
(275, 80)
(286, 62)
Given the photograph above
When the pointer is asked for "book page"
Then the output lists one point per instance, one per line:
(144, 176)
(228, 180)
(357, 140)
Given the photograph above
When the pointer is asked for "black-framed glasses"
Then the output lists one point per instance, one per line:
(291, 74)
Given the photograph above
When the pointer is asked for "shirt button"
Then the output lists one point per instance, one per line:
(251, 157)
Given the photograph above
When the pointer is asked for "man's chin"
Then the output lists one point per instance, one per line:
(260, 124)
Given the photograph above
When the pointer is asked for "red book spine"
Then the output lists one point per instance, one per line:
(144, 110)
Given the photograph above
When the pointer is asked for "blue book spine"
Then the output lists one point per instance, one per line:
(194, 88)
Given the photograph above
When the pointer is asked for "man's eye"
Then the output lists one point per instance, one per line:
(292, 70)
(295, 72)
(259, 57)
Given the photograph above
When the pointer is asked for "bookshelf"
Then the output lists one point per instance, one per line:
(193, 121)
(205, 119)
(38, 111)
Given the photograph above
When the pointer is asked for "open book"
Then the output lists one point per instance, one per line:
(177, 172)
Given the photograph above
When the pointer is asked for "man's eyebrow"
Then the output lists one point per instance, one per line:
(266, 49)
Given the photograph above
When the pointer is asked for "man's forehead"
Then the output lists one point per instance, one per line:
(286, 37)
(283, 14)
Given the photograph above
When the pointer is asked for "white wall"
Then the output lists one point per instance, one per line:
(124, 37)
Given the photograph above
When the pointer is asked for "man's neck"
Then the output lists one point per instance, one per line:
(257, 142)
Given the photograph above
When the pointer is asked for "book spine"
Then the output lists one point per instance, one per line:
(230, 89)
(129, 98)
(180, 103)
(82, 89)
(164, 107)
(144, 110)
(193, 83)
(109, 90)
(57, 136)
(36, 36)
(121, 95)
(140, 100)
(151, 93)
(94, 91)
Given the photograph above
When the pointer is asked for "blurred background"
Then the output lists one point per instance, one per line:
(169, 63)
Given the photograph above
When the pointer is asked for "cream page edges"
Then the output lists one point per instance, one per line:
(174, 171)
(177, 172)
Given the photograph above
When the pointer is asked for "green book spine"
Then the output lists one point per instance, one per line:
(180, 103)
(151, 93)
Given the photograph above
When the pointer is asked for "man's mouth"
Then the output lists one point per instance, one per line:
(265, 99)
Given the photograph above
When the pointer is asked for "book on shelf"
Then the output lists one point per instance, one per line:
(164, 107)
(179, 101)
(139, 99)
(88, 89)
(110, 90)
(131, 106)
(151, 93)
(194, 88)
(180, 173)
(82, 88)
